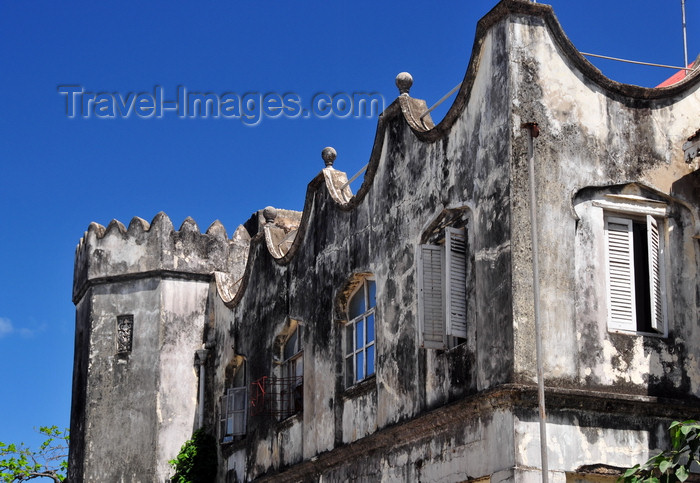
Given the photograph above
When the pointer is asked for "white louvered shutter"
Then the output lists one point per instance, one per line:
(431, 301)
(653, 242)
(456, 282)
(620, 274)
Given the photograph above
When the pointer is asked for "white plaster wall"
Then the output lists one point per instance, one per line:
(481, 447)
(588, 138)
(290, 442)
(485, 449)
(141, 407)
(544, 89)
(237, 463)
(319, 416)
(571, 445)
(359, 416)
(122, 443)
(183, 305)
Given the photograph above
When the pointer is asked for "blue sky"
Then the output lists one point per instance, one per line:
(58, 173)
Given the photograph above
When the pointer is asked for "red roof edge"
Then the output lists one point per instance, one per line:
(678, 76)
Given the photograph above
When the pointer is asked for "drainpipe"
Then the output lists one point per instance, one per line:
(201, 359)
(533, 132)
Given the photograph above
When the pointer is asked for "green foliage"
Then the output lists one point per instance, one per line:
(21, 463)
(196, 462)
(671, 465)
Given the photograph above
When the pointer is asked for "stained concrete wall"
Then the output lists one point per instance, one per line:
(150, 393)
(378, 234)
(597, 136)
(122, 387)
(594, 133)
(451, 415)
(575, 442)
(132, 411)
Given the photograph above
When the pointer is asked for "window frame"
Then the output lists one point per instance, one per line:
(228, 412)
(627, 210)
(367, 347)
(444, 273)
(292, 371)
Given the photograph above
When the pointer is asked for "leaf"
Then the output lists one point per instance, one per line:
(677, 438)
(664, 465)
(682, 473)
(659, 458)
(22, 463)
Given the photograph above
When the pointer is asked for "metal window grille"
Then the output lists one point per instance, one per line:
(278, 397)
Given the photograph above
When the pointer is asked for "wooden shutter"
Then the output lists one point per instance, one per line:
(654, 248)
(456, 282)
(431, 300)
(620, 274)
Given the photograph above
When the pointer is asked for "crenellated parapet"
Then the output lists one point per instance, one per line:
(117, 252)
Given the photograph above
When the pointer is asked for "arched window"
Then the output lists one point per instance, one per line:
(359, 333)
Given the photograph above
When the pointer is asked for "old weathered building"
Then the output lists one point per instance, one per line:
(390, 334)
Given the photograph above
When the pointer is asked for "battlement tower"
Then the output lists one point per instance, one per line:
(141, 304)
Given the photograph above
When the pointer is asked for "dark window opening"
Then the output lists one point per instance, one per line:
(641, 276)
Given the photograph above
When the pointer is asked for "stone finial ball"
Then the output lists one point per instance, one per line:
(269, 213)
(404, 81)
(328, 154)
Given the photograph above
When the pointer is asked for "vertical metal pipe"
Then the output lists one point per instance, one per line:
(685, 38)
(533, 131)
(201, 359)
(200, 419)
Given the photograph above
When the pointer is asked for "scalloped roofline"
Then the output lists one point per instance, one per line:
(406, 107)
(409, 110)
(626, 93)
